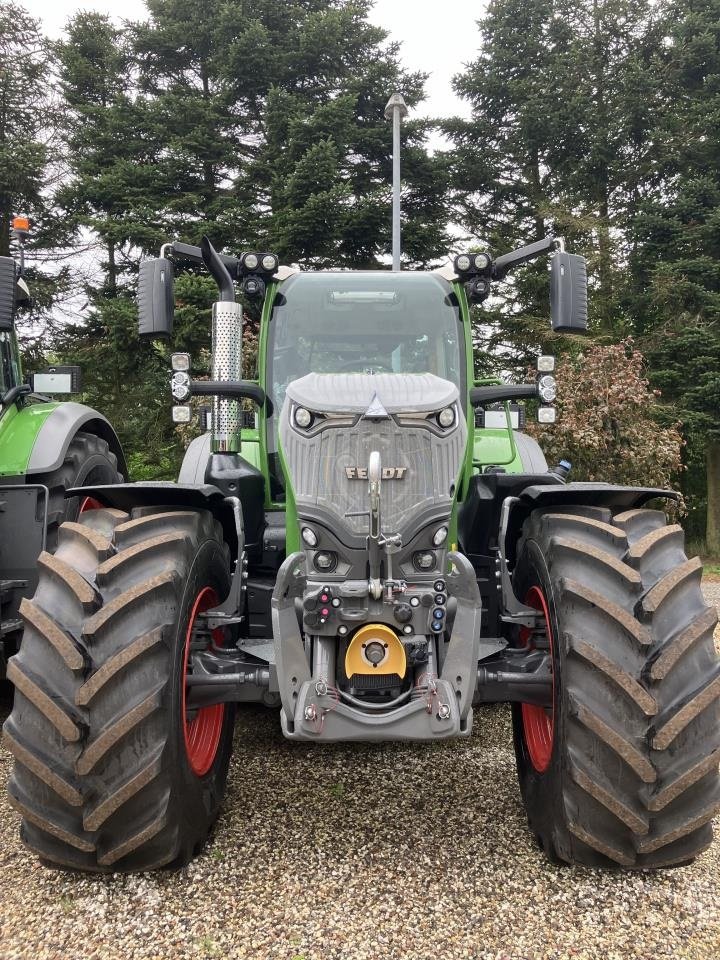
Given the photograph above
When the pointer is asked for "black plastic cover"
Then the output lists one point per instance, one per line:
(568, 293)
(156, 300)
(236, 477)
(7, 292)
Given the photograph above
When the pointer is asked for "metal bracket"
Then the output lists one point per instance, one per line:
(513, 611)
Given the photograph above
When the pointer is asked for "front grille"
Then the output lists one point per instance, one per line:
(429, 463)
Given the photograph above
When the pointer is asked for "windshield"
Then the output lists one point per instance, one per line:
(369, 322)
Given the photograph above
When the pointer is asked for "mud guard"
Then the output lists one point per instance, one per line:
(57, 432)
(166, 493)
(537, 496)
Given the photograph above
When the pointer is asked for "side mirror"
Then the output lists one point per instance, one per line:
(7, 292)
(156, 300)
(568, 293)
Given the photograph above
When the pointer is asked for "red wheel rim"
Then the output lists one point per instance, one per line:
(202, 733)
(89, 503)
(538, 723)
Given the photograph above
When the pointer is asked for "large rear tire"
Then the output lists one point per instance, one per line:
(89, 461)
(623, 771)
(110, 774)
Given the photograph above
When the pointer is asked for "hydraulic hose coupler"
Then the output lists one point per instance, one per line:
(227, 330)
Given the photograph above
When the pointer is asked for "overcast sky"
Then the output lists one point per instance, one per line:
(436, 37)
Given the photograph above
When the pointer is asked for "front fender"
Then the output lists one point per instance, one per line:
(57, 429)
(539, 495)
(174, 496)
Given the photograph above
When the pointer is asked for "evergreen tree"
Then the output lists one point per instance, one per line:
(29, 158)
(563, 97)
(111, 195)
(23, 118)
(279, 138)
(677, 260)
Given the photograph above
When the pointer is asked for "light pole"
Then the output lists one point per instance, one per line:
(395, 110)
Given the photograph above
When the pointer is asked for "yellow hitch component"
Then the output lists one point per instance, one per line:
(375, 649)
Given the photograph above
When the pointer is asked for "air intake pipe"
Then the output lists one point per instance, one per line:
(227, 331)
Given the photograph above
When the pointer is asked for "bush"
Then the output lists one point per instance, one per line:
(609, 422)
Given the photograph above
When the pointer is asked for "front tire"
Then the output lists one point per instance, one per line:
(629, 774)
(106, 777)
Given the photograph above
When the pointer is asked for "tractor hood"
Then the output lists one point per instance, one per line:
(355, 393)
(331, 423)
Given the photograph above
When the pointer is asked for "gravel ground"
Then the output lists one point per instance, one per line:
(348, 853)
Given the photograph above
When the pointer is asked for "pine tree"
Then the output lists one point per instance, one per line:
(557, 143)
(111, 195)
(29, 157)
(677, 260)
(280, 139)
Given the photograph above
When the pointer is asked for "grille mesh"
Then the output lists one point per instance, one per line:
(318, 466)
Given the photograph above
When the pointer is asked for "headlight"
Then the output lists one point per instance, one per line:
(446, 417)
(462, 263)
(303, 417)
(270, 263)
(309, 536)
(250, 261)
(440, 536)
(325, 561)
(482, 261)
(547, 389)
(424, 560)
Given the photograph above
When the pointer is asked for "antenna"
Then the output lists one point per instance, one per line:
(395, 110)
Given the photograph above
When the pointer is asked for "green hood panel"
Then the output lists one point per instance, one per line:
(18, 432)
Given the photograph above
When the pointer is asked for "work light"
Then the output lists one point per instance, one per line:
(181, 414)
(180, 361)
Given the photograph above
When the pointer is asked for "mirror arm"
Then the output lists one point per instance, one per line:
(515, 258)
(185, 251)
(496, 394)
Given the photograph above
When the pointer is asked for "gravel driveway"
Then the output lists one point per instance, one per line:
(362, 852)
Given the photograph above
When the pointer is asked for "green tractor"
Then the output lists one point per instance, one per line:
(364, 541)
(46, 448)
